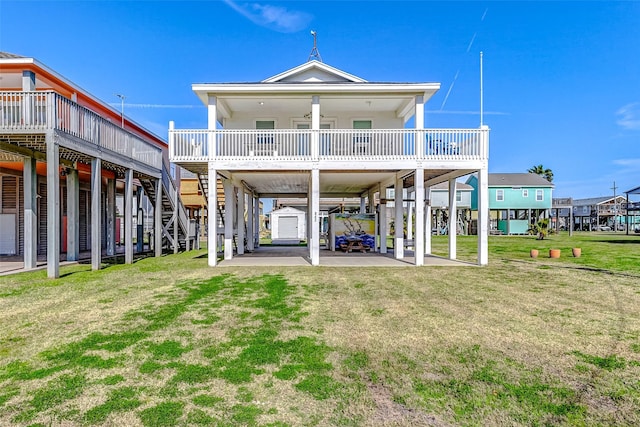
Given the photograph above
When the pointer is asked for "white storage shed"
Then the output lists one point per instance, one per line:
(288, 224)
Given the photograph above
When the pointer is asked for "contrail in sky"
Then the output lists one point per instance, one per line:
(473, 38)
(450, 89)
(116, 104)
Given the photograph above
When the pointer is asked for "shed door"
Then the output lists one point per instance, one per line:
(7, 234)
(8, 210)
(288, 227)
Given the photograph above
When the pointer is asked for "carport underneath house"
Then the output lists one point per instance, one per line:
(238, 216)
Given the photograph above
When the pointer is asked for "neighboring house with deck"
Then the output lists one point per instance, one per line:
(317, 132)
(439, 201)
(599, 213)
(66, 160)
(516, 200)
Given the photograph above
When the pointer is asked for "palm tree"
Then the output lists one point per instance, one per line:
(540, 170)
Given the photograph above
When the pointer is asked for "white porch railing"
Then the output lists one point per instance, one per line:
(328, 144)
(39, 111)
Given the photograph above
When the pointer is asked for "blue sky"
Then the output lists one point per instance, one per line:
(561, 79)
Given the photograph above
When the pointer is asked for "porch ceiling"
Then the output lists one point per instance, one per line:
(298, 106)
(341, 184)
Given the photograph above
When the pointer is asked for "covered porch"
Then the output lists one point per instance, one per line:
(234, 215)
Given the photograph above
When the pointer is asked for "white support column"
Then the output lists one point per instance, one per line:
(250, 223)
(111, 217)
(212, 216)
(256, 220)
(383, 219)
(128, 216)
(398, 245)
(228, 219)
(315, 126)
(73, 210)
(212, 124)
(29, 180)
(363, 205)
(571, 218)
(483, 216)
(409, 216)
(428, 226)
(212, 112)
(53, 209)
(157, 219)
(96, 213)
(176, 222)
(309, 217)
(372, 202)
(28, 81)
(140, 221)
(453, 220)
(314, 216)
(240, 220)
(419, 125)
(420, 231)
(28, 85)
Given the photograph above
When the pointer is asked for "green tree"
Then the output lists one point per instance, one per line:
(540, 170)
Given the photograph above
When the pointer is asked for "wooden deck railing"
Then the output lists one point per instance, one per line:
(328, 144)
(43, 110)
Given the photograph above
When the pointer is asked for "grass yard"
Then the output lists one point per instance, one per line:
(172, 342)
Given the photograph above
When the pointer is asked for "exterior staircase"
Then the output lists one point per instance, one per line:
(178, 231)
(203, 182)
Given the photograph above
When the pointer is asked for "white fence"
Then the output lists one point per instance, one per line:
(39, 111)
(337, 144)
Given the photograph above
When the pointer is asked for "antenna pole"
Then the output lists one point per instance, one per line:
(315, 54)
(481, 94)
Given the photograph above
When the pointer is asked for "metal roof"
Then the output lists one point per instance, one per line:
(5, 55)
(517, 179)
(445, 186)
(592, 201)
(633, 191)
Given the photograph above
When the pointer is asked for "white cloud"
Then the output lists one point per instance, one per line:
(629, 116)
(632, 164)
(275, 18)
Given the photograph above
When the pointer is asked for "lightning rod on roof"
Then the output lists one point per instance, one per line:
(315, 54)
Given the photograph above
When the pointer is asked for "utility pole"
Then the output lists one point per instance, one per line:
(615, 208)
(122, 97)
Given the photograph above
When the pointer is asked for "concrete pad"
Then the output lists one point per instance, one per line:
(283, 256)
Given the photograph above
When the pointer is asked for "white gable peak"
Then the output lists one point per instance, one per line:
(314, 72)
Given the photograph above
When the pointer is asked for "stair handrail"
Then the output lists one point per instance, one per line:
(170, 185)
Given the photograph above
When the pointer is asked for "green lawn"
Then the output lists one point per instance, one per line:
(171, 341)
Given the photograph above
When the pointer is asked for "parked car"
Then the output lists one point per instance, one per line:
(603, 228)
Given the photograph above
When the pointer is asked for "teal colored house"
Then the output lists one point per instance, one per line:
(516, 200)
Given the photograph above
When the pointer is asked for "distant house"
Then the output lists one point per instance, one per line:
(632, 211)
(598, 213)
(516, 200)
(439, 202)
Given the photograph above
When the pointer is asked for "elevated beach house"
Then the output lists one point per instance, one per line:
(516, 200)
(316, 132)
(65, 158)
